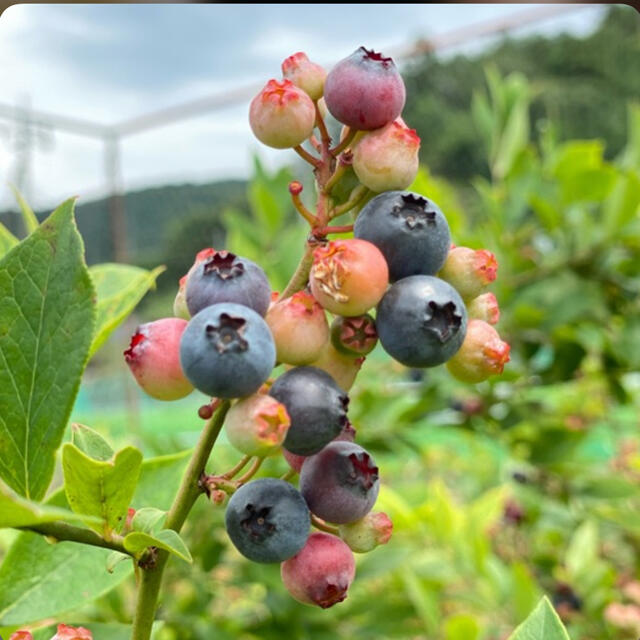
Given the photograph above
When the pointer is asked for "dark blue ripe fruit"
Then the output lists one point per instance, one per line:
(316, 405)
(410, 231)
(340, 484)
(225, 277)
(421, 321)
(227, 351)
(267, 520)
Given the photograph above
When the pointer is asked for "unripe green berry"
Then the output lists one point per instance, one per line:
(469, 271)
(366, 534)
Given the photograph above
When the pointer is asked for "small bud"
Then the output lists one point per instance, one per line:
(295, 188)
(257, 425)
(469, 271)
(321, 573)
(72, 633)
(485, 307)
(387, 159)
(299, 327)
(282, 115)
(355, 336)
(341, 367)
(365, 535)
(348, 277)
(305, 74)
(218, 496)
(154, 359)
(482, 354)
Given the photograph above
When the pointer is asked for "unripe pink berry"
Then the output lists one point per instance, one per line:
(482, 354)
(470, 271)
(321, 573)
(341, 367)
(365, 90)
(484, 307)
(356, 336)
(305, 74)
(257, 425)
(387, 158)
(365, 535)
(282, 115)
(72, 633)
(154, 359)
(348, 277)
(299, 327)
(21, 635)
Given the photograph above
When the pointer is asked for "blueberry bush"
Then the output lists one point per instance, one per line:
(458, 565)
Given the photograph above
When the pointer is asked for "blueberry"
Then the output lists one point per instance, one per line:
(225, 277)
(421, 321)
(267, 520)
(410, 231)
(340, 484)
(316, 405)
(227, 351)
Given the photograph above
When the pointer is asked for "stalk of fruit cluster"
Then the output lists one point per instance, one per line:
(151, 577)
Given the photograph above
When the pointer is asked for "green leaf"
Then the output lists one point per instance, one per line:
(30, 221)
(7, 240)
(119, 288)
(148, 519)
(542, 624)
(461, 627)
(16, 511)
(46, 325)
(583, 549)
(101, 489)
(40, 580)
(167, 539)
(91, 442)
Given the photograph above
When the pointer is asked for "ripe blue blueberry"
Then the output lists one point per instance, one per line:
(421, 321)
(410, 231)
(316, 405)
(267, 520)
(227, 351)
(225, 277)
(340, 484)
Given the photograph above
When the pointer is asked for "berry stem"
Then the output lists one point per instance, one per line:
(289, 475)
(323, 526)
(251, 471)
(188, 492)
(323, 231)
(307, 157)
(234, 470)
(302, 210)
(315, 143)
(346, 141)
(301, 274)
(341, 169)
(356, 196)
(324, 133)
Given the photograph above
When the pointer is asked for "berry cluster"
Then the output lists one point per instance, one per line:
(395, 277)
(64, 632)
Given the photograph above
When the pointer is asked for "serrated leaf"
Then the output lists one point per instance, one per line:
(39, 580)
(90, 442)
(30, 221)
(16, 511)
(46, 326)
(167, 539)
(101, 489)
(119, 288)
(542, 624)
(148, 519)
(7, 240)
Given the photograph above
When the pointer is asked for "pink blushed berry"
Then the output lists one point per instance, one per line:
(470, 271)
(482, 354)
(305, 74)
(21, 635)
(365, 535)
(485, 307)
(299, 327)
(321, 573)
(348, 277)
(154, 359)
(282, 115)
(66, 632)
(387, 158)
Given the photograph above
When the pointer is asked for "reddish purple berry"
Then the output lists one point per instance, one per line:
(355, 336)
(305, 74)
(321, 573)
(365, 90)
(282, 115)
(387, 158)
(341, 483)
(299, 327)
(482, 354)
(470, 271)
(154, 359)
(365, 535)
(348, 277)
(485, 307)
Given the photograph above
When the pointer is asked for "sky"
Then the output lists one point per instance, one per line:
(111, 62)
